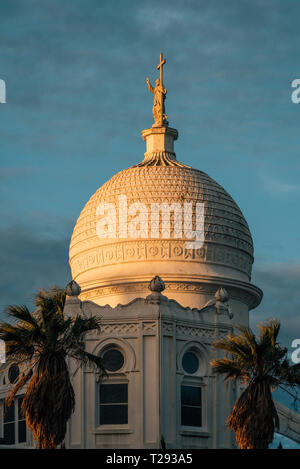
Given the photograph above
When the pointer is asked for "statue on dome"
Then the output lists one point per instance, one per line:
(160, 117)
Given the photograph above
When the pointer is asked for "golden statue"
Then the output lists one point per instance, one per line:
(159, 92)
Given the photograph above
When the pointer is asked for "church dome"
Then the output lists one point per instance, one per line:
(107, 267)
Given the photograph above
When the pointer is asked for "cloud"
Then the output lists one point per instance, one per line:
(276, 186)
(280, 284)
(28, 262)
(159, 17)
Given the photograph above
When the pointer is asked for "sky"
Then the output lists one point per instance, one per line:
(77, 101)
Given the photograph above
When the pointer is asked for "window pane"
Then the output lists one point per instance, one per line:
(22, 431)
(13, 373)
(190, 362)
(191, 395)
(113, 360)
(20, 416)
(9, 433)
(110, 393)
(9, 413)
(191, 416)
(113, 414)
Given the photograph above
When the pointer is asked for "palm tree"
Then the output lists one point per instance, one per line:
(262, 364)
(40, 343)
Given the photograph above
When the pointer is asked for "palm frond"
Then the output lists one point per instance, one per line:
(230, 368)
(235, 345)
(269, 331)
(86, 359)
(21, 313)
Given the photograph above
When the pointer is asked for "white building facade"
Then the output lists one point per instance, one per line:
(160, 389)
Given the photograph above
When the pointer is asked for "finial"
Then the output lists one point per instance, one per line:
(73, 289)
(157, 284)
(159, 92)
(221, 295)
(219, 303)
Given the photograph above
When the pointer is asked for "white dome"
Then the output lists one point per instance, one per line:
(103, 265)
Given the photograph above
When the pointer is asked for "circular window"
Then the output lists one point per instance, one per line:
(13, 373)
(190, 362)
(113, 360)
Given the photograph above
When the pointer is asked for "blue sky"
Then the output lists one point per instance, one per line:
(77, 102)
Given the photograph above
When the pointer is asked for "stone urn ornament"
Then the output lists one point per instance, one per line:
(219, 303)
(73, 289)
(157, 284)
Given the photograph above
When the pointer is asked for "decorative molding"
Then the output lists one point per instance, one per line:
(123, 329)
(194, 331)
(167, 328)
(183, 330)
(239, 294)
(174, 250)
(115, 290)
(119, 329)
(160, 158)
(149, 327)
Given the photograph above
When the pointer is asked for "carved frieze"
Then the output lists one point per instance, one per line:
(141, 251)
(168, 328)
(179, 287)
(119, 329)
(194, 331)
(149, 326)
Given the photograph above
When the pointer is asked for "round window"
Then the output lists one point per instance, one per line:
(13, 373)
(113, 360)
(190, 362)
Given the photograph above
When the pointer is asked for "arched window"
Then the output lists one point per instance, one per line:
(192, 387)
(113, 391)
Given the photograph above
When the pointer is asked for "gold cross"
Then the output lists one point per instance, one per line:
(160, 68)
